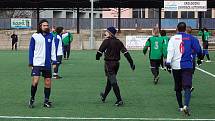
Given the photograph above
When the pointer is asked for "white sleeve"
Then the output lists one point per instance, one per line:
(60, 47)
(53, 51)
(170, 50)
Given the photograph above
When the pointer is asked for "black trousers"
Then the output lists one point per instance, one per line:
(111, 69)
(155, 64)
(14, 44)
(66, 51)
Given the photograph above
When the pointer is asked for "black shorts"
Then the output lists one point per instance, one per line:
(111, 67)
(59, 59)
(37, 70)
(155, 63)
(182, 78)
(205, 45)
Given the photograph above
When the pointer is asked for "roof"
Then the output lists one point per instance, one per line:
(29, 4)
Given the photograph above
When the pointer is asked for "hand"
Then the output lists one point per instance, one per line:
(168, 67)
(98, 55)
(133, 67)
(30, 66)
(199, 62)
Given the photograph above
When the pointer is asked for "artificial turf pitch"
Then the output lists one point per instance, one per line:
(77, 93)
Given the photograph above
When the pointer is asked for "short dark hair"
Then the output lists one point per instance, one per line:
(181, 27)
(59, 29)
(39, 29)
(205, 29)
(163, 33)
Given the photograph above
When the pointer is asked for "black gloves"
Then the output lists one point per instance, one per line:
(168, 67)
(98, 55)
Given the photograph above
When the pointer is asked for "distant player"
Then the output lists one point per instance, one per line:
(59, 51)
(165, 45)
(179, 58)
(14, 38)
(54, 31)
(41, 53)
(111, 47)
(205, 37)
(155, 43)
(67, 39)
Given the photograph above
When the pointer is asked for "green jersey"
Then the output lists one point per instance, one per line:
(156, 47)
(206, 35)
(165, 45)
(54, 33)
(67, 38)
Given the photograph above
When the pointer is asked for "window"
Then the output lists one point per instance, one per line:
(171, 14)
(187, 14)
(139, 13)
(153, 13)
(207, 14)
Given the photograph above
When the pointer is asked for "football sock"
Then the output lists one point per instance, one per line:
(47, 92)
(33, 91)
(187, 95)
(179, 99)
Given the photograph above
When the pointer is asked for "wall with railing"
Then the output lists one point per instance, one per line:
(126, 23)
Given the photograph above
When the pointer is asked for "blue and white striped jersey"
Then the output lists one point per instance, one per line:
(42, 50)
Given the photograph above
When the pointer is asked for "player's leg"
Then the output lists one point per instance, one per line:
(178, 87)
(154, 70)
(207, 55)
(56, 69)
(68, 51)
(35, 80)
(64, 52)
(16, 46)
(107, 90)
(187, 84)
(12, 45)
(108, 85)
(47, 88)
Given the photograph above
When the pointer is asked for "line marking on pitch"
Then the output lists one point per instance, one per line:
(205, 72)
(79, 118)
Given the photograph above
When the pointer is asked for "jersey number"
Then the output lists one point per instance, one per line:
(156, 46)
(182, 47)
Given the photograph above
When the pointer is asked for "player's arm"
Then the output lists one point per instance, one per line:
(170, 54)
(164, 49)
(53, 52)
(31, 51)
(102, 48)
(197, 48)
(127, 56)
(146, 46)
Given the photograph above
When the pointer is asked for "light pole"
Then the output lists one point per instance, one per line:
(91, 42)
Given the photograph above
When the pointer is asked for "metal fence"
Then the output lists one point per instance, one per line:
(126, 23)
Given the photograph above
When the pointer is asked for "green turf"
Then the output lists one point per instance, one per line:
(77, 94)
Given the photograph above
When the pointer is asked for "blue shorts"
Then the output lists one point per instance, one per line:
(183, 78)
(37, 70)
(205, 52)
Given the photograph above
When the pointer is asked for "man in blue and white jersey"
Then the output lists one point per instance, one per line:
(179, 58)
(59, 51)
(41, 54)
